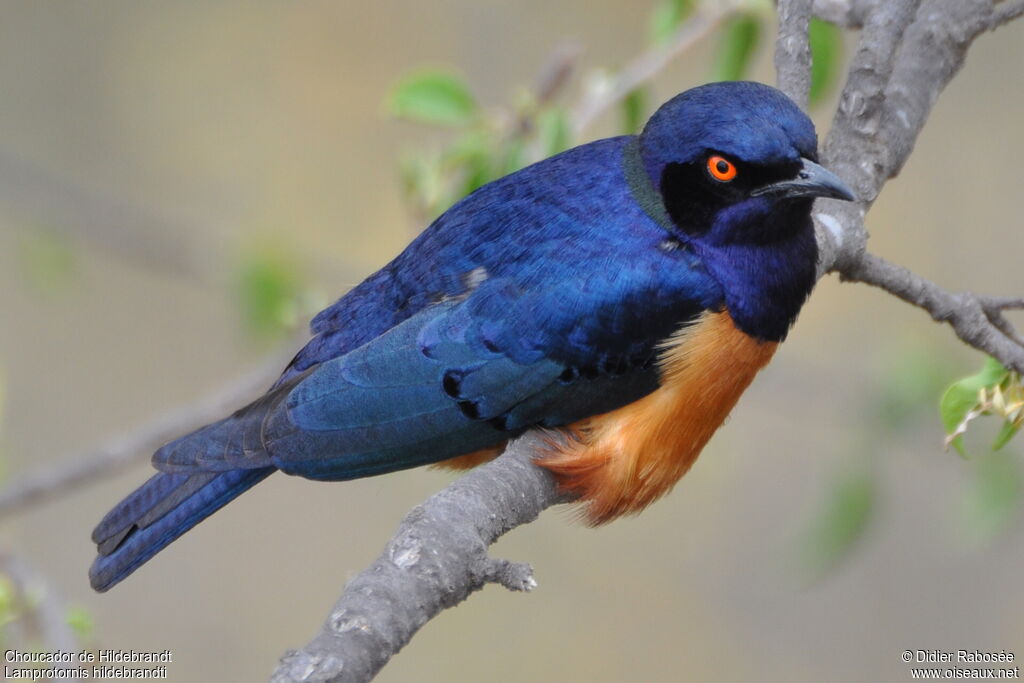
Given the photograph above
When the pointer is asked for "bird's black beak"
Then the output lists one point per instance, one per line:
(812, 181)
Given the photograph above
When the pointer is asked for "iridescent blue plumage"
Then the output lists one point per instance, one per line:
(540, 299)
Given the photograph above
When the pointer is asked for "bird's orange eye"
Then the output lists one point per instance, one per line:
(721, 168)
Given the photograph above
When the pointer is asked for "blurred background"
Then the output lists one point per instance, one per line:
(181, 182)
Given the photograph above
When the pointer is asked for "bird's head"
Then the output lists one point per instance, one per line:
(725, 157)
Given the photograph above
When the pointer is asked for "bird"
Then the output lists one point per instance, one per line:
(625, 291)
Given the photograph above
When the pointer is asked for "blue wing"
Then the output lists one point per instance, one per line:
(456, 377)
(434, 387)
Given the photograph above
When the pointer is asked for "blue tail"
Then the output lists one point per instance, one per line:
(159, 511)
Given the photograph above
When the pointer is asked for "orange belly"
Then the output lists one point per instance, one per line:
(471, 460)
(622, 461)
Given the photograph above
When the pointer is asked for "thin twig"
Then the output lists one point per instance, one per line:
(142, 236)
(604, 94)
(136, 445)
(996, 317)
(556, 71)
(968, 314)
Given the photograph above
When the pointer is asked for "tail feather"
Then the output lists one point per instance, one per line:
(159, 511)
(234, 443)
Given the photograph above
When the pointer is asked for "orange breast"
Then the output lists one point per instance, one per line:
(622, 461)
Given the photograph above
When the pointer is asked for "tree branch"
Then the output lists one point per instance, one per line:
(793, 50)
(906, 57)
(977, 320)
(436, 559)
(1008, 12)
(851, 149)
(843, 13)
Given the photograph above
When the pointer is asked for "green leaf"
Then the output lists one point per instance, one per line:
(269, 288)
(994, 496)
(667, 16)
(736, 47)
(844, 519)
(553, 126)
(80, 621)
(962, 396)
(634, 111)
(826, 42)
(433, 96)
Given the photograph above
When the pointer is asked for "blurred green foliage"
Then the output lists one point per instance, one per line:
(992, 501)
(270, 289)
(826, 41)
(737, 44)
(7, 597)
(23, 619)
(487, 145)
(844, 517)
(916, 375)
(666, 18)
(81, 622)
(555, 135)
(634, 111)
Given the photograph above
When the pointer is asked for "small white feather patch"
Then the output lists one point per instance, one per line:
(832, 225)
